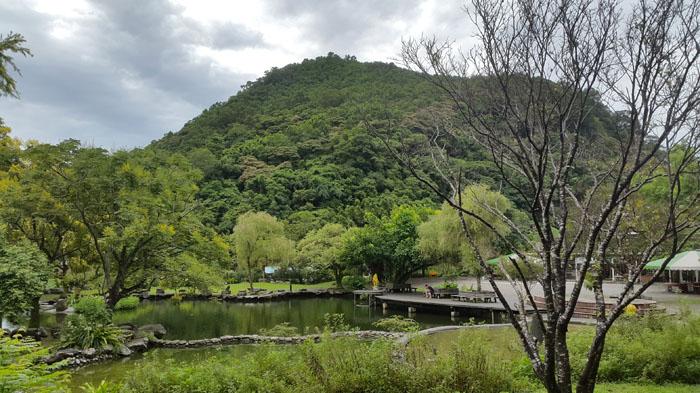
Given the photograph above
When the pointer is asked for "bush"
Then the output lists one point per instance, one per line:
(127, 303)
(281, 330)
(94, 309)
(79, 332)
(448, 285)
(103, 387)
(655, 348)
(335, 323)
(354, 282)
(397, 323)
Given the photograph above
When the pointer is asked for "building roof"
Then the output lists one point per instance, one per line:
(497, 260)
(687, 260)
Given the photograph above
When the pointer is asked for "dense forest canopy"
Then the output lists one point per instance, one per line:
(295, 144)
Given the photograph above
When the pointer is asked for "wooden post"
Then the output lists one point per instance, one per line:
(411, 310)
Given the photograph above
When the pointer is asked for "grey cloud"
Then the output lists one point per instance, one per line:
(124, 79)
(129, 73)
(346, 26)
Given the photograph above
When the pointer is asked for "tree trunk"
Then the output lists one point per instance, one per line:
(113, 296)
(250, 275)
(478, 282)
(587, 380)
(34, 318)
(338, 278)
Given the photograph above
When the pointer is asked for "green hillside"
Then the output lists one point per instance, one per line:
(294, 143)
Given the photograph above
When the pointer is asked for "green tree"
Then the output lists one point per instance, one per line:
(388, 246)
(258, 239)
(320, 250)
(30, 208)
(23, 276)
(139, 210)
(11, 44)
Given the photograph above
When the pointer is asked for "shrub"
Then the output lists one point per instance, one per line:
(335, 323)
(79, 332)
(448, 285)
(354, 282)
(281, 330)
(333, 365)
(127, 303)
(103, 387)
(94, 309)
(397, 323)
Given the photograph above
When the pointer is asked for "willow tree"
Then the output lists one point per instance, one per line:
(532, 93)
(441, 237)
(259, 239)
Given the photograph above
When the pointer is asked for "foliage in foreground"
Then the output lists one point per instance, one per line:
(397, 323)
(19, 373)
(653, 348)
(338, 365)
(280, 330)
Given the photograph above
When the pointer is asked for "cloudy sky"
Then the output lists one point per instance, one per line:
(121, 73)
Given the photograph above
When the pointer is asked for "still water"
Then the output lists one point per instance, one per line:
(205, 319)
(188, 320)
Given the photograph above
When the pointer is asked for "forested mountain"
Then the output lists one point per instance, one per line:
(294, 143)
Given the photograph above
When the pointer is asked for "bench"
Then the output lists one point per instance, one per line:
(404, 288)
(476, 297)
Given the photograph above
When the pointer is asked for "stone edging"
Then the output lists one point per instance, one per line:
(282, 294)
(78, 358)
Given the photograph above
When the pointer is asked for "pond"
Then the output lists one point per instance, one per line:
(205, 319)
(188, 320)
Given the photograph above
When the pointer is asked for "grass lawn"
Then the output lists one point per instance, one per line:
(644, 388)
(241, 286)
(270, 286)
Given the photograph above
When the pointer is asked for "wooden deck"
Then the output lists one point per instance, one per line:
(418, 300)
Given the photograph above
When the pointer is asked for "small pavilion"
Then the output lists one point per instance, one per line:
(682, 273)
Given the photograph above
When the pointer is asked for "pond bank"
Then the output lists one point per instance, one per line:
(74, 358)
(245, 298)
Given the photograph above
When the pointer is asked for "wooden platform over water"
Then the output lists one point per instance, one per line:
(420, 301)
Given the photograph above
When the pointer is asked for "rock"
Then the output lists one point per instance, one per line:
(89, 353)
(61, 355)
(138, 344)
(61, 305)
(54, 291)
(124, 351)
(157, 330)
(37, 333)
(20, 331)
(160, 291)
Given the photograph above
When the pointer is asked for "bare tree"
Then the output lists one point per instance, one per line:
(532, 94)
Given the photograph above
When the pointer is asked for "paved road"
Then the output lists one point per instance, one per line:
(672, 301)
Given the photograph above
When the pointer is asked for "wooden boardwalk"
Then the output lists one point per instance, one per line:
(420, 301)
